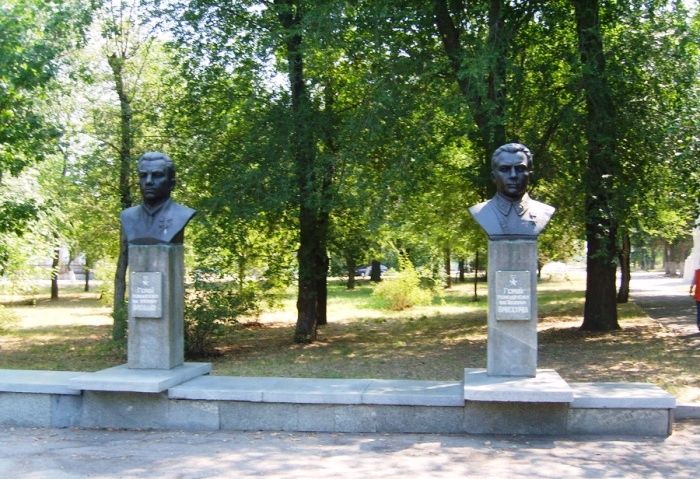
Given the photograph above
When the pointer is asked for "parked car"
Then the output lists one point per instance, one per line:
(366, 270)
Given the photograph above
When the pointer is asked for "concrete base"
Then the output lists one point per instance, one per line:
(122, 378)
(208, 403)
(546, 387)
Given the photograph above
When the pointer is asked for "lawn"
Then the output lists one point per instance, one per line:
(360, 341)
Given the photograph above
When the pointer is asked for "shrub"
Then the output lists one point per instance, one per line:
(104, 272)
(212, 304)
(404, 290)
(8, 320)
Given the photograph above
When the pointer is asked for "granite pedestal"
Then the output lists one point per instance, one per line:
(156, 306)
(512, 309)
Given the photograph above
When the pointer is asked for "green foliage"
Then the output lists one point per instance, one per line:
(8, 319)
(35, 34)
(120, 323)
(104, 273)
(214, 303)
(399, 127)
(405, 290)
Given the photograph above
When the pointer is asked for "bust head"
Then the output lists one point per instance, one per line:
(511, 170)
(156, 177)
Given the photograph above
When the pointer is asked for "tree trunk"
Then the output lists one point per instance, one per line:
(351, 267)
(54, 274)
(476, 275)
(460, 266)
(623, 293)
(86, 271)
(600, 310)
(322, 287)
(119, 314)
(119, 307)
(312, 241)
(448, 269)
(375, 272)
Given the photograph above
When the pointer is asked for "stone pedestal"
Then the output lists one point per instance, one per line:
(156, 306)
(512, 309)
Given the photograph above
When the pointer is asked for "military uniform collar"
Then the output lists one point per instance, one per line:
(153, 211)
(504, 205)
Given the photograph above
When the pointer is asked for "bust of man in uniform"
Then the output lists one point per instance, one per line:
(159, 220)
(511, 213)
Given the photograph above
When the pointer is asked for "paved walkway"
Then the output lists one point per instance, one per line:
(70, 454)
(667, 301)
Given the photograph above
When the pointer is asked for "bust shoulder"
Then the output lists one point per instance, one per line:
(181, 210)
(542, 206)
(164, 225)
(477, 208)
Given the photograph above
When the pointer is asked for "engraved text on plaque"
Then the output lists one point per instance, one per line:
(146, 295)
(513, 301)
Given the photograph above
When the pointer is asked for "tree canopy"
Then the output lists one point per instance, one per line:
(308, 132)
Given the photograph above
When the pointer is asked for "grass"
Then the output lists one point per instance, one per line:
(430, 342)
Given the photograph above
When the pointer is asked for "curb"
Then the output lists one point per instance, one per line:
(687, 411)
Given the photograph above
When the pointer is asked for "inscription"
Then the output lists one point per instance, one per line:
(145, 295)
(513, 300)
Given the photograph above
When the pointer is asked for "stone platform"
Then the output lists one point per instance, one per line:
(546, 387)
(123, 379)
(58, 399)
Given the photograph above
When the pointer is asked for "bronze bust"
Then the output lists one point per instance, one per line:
(159, 220)
(511, 213)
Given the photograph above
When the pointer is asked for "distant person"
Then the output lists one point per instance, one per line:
(511, 212)
(695, 291)
(158, 219)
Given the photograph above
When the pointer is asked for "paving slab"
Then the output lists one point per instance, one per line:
(546, 387)
(122, 379)
(621, 396)
(414, 393)
(44, 382)
(272, 389)
(321, 391)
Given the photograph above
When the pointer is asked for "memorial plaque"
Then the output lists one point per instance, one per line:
(513, 300)
(146, 295)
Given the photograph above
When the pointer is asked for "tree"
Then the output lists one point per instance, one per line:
(600, 310)
(653, 73)
(128, 36)
(479, 61)
(34, 37)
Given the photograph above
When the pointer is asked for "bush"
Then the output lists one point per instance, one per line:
(404, 290)
(212, 304)
(104, 271)
(8, 320)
